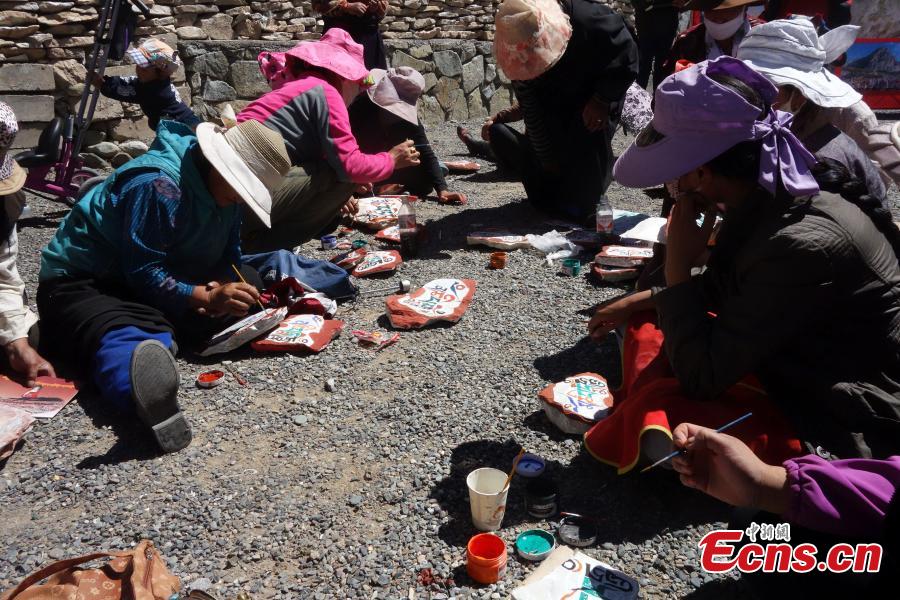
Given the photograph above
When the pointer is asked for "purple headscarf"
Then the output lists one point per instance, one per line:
(696, 119)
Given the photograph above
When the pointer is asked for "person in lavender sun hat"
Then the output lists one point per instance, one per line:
(796, 276)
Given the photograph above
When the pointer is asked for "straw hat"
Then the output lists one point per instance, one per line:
(251, 157)
(335, 51)
(790, 52)
(531, 37)
(397, 91)
(12, 176)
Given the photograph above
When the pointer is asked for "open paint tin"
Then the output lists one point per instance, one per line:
(578, 531)
(210, 379)
(535, 544)
(530, 465)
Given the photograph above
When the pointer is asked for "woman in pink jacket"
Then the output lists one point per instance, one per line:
(308, 107)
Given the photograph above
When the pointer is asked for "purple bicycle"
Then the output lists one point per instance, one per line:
(55, 168)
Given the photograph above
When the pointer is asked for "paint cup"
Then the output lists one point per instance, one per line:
(535, 544)
(578, 531)
(486, 558)
(329, 242)
(530, 465)
(359, 244)
(571, 267)
(487, 497)
(540, 498)
(499, 260)
(210, 379)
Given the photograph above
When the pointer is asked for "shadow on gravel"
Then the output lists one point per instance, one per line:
(449, 232)
(133, 442)
(630, 508)
(584, 356)
(734, 589)
(48, 221)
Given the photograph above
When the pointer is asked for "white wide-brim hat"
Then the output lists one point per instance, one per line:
(251, 157)
(789, 52)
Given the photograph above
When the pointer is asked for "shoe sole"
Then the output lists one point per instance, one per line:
(154, 387)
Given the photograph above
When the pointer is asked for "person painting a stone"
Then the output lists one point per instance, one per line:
(386, 116)
(724, 25)
(571, 63)
(795, 279)
(143, 253)
(17, 323)
(308, 107)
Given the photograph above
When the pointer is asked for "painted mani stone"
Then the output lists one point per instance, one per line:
(438, 300)
(501, 240)
(378, 212)
(577, 402)
(300, 332)
(623, 256)
(378, 262)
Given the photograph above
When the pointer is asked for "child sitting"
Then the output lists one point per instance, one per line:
(154, 64)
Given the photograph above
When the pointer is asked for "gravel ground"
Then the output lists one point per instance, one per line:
(290, 491)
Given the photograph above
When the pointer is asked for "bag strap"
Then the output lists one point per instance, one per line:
(58, 566)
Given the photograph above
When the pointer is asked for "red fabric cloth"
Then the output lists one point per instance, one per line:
(651, 398)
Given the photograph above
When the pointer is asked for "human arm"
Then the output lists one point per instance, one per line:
(508, 115)
(377, 8)
(122, 89)
(843, 497)
(610, 49)
(342, 151)
(612, 314)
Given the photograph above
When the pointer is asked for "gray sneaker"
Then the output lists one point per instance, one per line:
(154, 387)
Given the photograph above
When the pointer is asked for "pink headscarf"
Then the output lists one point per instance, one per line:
(274, 68)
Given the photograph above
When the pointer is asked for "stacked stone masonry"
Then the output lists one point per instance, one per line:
(43, 45)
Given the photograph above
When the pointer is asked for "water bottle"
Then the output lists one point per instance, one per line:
(604, 216)
(407, 225)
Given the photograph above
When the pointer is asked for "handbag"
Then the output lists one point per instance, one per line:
(138, 574)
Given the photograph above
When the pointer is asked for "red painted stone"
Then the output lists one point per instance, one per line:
(300, 333)
(382, 261)
(438, 300)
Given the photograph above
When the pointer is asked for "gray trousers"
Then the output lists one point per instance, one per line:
(305, 204)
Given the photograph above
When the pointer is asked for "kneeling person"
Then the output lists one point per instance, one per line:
(145, 251)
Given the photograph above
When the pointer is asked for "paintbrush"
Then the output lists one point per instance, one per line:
(244, 281)
(513, 470)
(724, 427)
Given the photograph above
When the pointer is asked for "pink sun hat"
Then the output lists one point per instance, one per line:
(335, 51)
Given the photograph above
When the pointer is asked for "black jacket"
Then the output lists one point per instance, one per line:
(807, 297)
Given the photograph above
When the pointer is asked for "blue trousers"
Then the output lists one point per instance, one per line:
(112, 364)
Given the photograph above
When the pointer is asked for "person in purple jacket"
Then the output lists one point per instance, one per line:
(826, 502)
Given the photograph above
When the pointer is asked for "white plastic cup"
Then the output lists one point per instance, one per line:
(487, 498)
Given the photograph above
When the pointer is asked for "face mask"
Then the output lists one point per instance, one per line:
(349, 92)
(723, 31)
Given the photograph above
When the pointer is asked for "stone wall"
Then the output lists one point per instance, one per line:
(461, 77)
(43, 45)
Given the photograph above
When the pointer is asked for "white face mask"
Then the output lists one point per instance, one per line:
(723, 31)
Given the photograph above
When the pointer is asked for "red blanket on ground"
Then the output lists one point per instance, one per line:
(651, 398)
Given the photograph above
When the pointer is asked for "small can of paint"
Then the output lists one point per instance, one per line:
(210, 379)
(530, 465)
(329, 242)
(357, 244)
(571, 267)
(540, 498)
(499, 260)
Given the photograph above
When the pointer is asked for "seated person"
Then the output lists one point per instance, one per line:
(791, 55)
(570, 63)
(141, 254)
(804, 286)
(17, 322)
(151, 87)
(308, 107)
(826, 502)
(386, 116)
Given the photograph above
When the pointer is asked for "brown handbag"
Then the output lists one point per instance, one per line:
(138, 574)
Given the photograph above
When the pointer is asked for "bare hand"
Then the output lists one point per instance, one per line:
(725, 468)
(405, 155)
(448, 197)
(686, 241)
(609, 316)
(595, 115)
(486, 129)
(350, 208)
(355, 9)
(27, 362)
(231, 299)
(364, 189)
